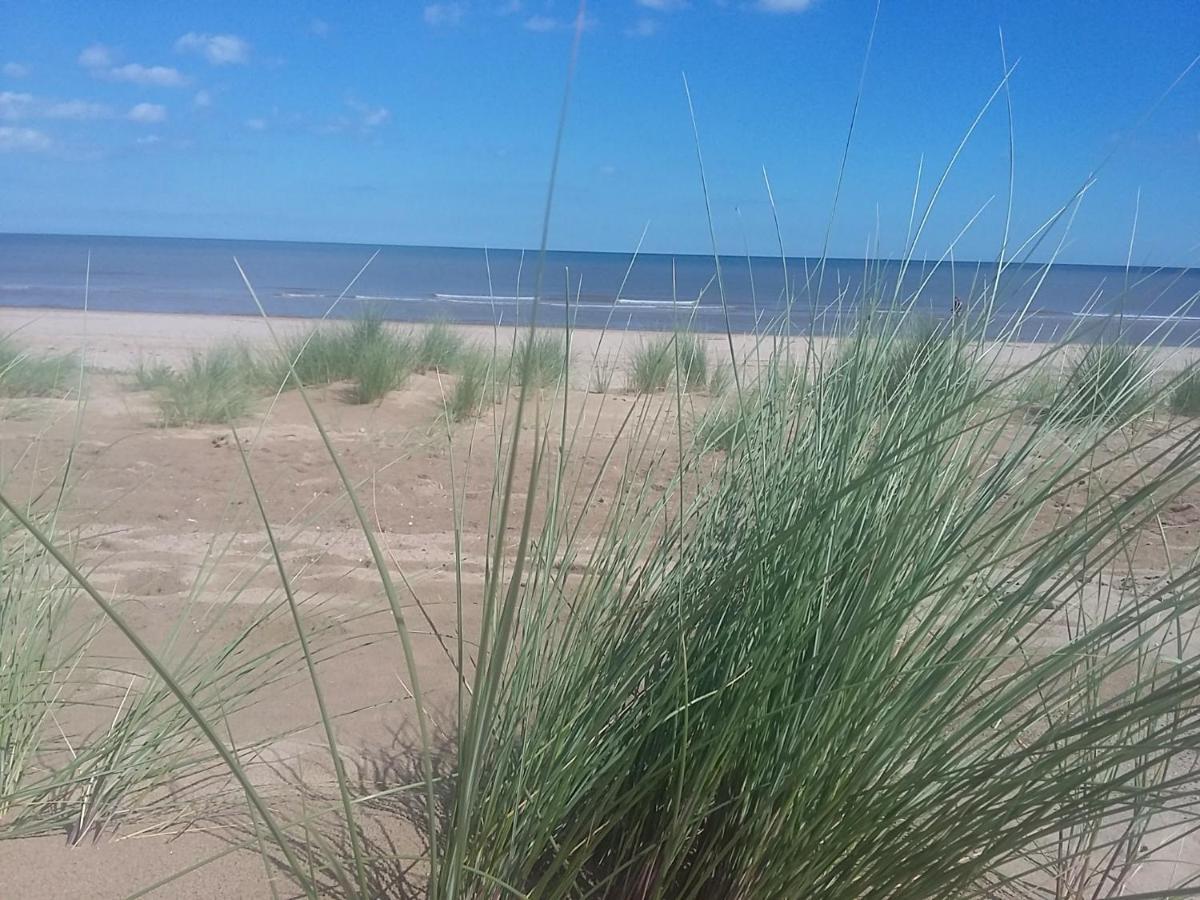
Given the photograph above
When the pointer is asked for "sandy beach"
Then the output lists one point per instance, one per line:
(164, 521)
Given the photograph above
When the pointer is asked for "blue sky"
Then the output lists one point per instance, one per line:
(433, 122)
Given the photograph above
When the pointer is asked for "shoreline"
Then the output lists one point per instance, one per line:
(118, 340)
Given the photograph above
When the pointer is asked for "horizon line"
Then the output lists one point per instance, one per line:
(379, 245)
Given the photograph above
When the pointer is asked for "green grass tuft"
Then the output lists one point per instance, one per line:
(216, 387)
(1185, 395)
(438, 347)
(334, 351)
(383, 362)
(603, 371)
(26, 374)
(720, 379)
(475, 386)
(1106, 383)
(543, 357)
(150, 376)
(655, 362)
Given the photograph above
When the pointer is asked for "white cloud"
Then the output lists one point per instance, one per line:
(14, 105)
(99, 60)
(642, 28)
(154, 76)
(437, 14)
(148, 140)
(318, 28)
(25, 106)
(23, 139)
(218, 49)
(511, 8)
(14, 70)
(96, 56)
(202, 100)
(147, 113)
(79, 110)
(784, 6)
(256, 124)
(541, 23)
(663, 5)
(369, 116)
(376, 117)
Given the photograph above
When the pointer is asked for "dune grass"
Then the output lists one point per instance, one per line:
(474, 385)
(720, 379)
(372, 355)
(603, 372)
(1185, 395)
(36, 650)
(836, 670)
(655, 362)
(438, 348)
(215, 387)
(542, 357)
(150, 376)
(1105, 381)
(63, 774)
(382, 364)
(866, 705)
(26, 374)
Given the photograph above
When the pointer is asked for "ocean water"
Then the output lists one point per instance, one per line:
(653, 291)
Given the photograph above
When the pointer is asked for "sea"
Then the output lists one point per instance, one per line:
(644, 291)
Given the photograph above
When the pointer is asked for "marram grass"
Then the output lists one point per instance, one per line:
(840, 673)
(1184, 399)
(656, 362)
(26, 374)
(214, 387)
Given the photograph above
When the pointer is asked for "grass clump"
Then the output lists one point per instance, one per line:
(603, 371)
(1185, 395)
(383, 362)
(334, 352)
(655, 362)
(720, 379)
(36, 649)
(368, 353)
(877, 698)
(438, 348)
(475, 386)
(150, 376)
(1105, 383)
(213, 388)
(24, 374)
(542, 358)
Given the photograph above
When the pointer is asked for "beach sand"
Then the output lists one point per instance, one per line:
(148, 505)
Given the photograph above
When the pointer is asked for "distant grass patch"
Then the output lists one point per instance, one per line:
(1107, 382)
(213, 388)
(383, 363)
(333, 352)
(26, 374)
(720, 379)
(778, 390)
(602, 375)
(1039, 389)
(475, 386)
(723, 426)
(150, 376)
(368, 352)
(438, 347)
(543, 358)
(1185, 396)
(656, 361)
